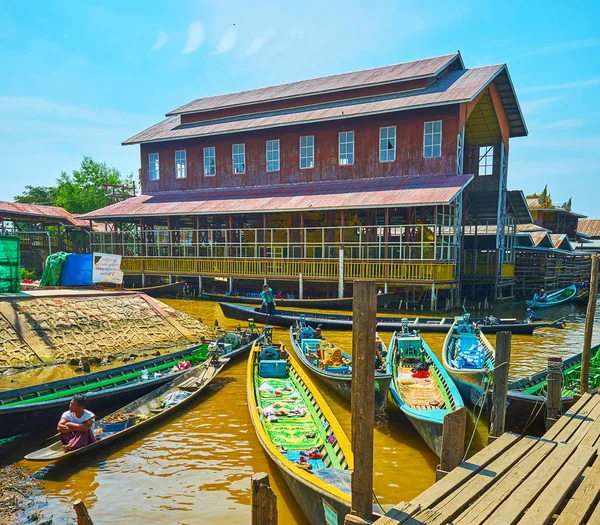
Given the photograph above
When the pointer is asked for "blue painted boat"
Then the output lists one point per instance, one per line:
(424, 401)
(469, 359)
(554, 298)
(337, 378)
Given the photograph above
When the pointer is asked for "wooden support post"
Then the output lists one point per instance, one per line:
(363, 395)
(264, 501)
(83, 518)
(341, 274)
(85, 364)
(589, 328)
(553, 400)
(300, 286)
(501, 365)
(453, 442)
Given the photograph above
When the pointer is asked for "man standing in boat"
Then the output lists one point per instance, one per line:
(76, 426)
(268, 301)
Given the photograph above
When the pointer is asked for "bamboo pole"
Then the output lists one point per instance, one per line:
(83, 518)
(363, 395)
(501, 365)
(264, 501)
(553, 400)
(589, 328)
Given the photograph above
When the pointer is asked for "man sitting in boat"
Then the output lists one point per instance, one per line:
(318, 334)
(268, 302)
(76, 426)
(541, 297)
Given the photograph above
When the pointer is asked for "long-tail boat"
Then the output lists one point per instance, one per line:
(162, 290)
(143, 412)
(345, 303)
(299, 432)
(421, 387)
(555, 298)
(332, 366)
(288, 318)
(527, 396)
(36, 407)
(469, 359)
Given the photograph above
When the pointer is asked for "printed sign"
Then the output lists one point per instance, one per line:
(331, 517)
(107, 269)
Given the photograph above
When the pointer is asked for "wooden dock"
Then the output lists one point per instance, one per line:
(520, 479)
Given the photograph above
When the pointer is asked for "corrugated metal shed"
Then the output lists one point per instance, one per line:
(381, 75)
(590, 227)
(40, 212)
(355, 194)
(451, 88)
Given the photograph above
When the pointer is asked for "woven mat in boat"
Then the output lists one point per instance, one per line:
(292, 434)
(421, 393)
(276, 384)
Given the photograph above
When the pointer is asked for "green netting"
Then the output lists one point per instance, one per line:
(51, 275)
(10, 264)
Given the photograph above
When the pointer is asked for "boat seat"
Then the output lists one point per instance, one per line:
(272, 368)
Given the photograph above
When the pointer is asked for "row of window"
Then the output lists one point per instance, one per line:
(432, 147)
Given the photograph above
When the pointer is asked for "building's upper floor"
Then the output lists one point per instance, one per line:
(427, 117)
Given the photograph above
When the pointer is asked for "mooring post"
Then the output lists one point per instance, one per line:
(83, 518)
(453, 442)
(553, 400)
(264, 501)
(341, 274)
(364, 311)
(500, 385)
(300, 287)
(589, 327)
(85, 364)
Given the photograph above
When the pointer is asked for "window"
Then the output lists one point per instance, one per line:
(346, 148)
(432, 144)
(180, 165)
(153, 166)
(210, 165)
(387, 144)
(239, 158)
(307, 152)
(273, 155)
(486, 160)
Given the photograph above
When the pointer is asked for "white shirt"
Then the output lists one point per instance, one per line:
(72, 418)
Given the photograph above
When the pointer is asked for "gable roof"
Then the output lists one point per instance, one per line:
(590, 227)
(41, 213)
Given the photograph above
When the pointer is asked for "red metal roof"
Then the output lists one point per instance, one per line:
(560, 241)
(531, 227)
(589, 227)
(40, 212)
(381, 75)
(453, 87)
(361, 194)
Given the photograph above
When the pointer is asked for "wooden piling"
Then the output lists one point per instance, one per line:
(264, 501)
(85, 364)
(553, 400)
(500, 385)
(363, 395)
(83, 518)
(589, 327)
(453, 442)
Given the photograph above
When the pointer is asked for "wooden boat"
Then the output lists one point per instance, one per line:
(527, 396)
(555, 298)
(345, 303)
(469, 359)
(582, 297)
(288, 318)
(147, 410)
(163, 290)
(423, 401)
(35, 407)
(323, 492)
(337, 378)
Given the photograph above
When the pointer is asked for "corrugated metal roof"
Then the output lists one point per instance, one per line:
(531, 227)
(589, 227)
(361, 194)
(41, 212)
(534, 204)
(381, 75)
(560, 241)
(541, 238)
(453, 87)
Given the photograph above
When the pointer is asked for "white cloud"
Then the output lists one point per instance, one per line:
(563, 46)
(260, 41)
(532, 106)
(161, 40)
(569, 85)
(227, 41)
(194, 39)
(563, 124)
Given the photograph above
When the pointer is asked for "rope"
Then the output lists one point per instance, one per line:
(377, 501)
(484, 397)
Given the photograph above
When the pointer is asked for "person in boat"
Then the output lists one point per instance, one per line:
(76, 426)
(318, 332)
(268, 300)
(279, 295)
(540, 297)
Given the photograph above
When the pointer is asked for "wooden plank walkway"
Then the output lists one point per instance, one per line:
(520, 480)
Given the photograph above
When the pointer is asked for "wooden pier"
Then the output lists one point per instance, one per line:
(520, 479)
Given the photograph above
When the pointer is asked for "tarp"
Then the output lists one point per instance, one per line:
(10, 264)
(51, 275)
(77, 270)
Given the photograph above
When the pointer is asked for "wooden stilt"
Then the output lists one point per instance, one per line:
(85, 364)
(83, 518)
(363, 395)
(453, 442)
(264, 501)
(497, 419)
(589, 327)
(553, 400)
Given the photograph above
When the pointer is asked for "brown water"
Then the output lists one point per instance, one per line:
(195, 467)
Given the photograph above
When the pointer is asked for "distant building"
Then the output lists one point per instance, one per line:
(588, 235)
(557, 219)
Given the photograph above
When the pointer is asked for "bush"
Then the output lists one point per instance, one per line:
(28, 274)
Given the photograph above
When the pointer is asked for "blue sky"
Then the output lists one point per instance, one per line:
(77, 78)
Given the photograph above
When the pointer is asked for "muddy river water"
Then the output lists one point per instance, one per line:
(195, 467)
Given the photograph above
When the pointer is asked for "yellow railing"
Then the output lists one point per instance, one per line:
(488, 270)
(508, 270)
(380, 270)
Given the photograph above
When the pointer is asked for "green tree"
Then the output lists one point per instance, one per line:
(38, 195)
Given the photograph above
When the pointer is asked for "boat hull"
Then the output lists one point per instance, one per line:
(555, 298)
(471, 386)
(165, 290)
